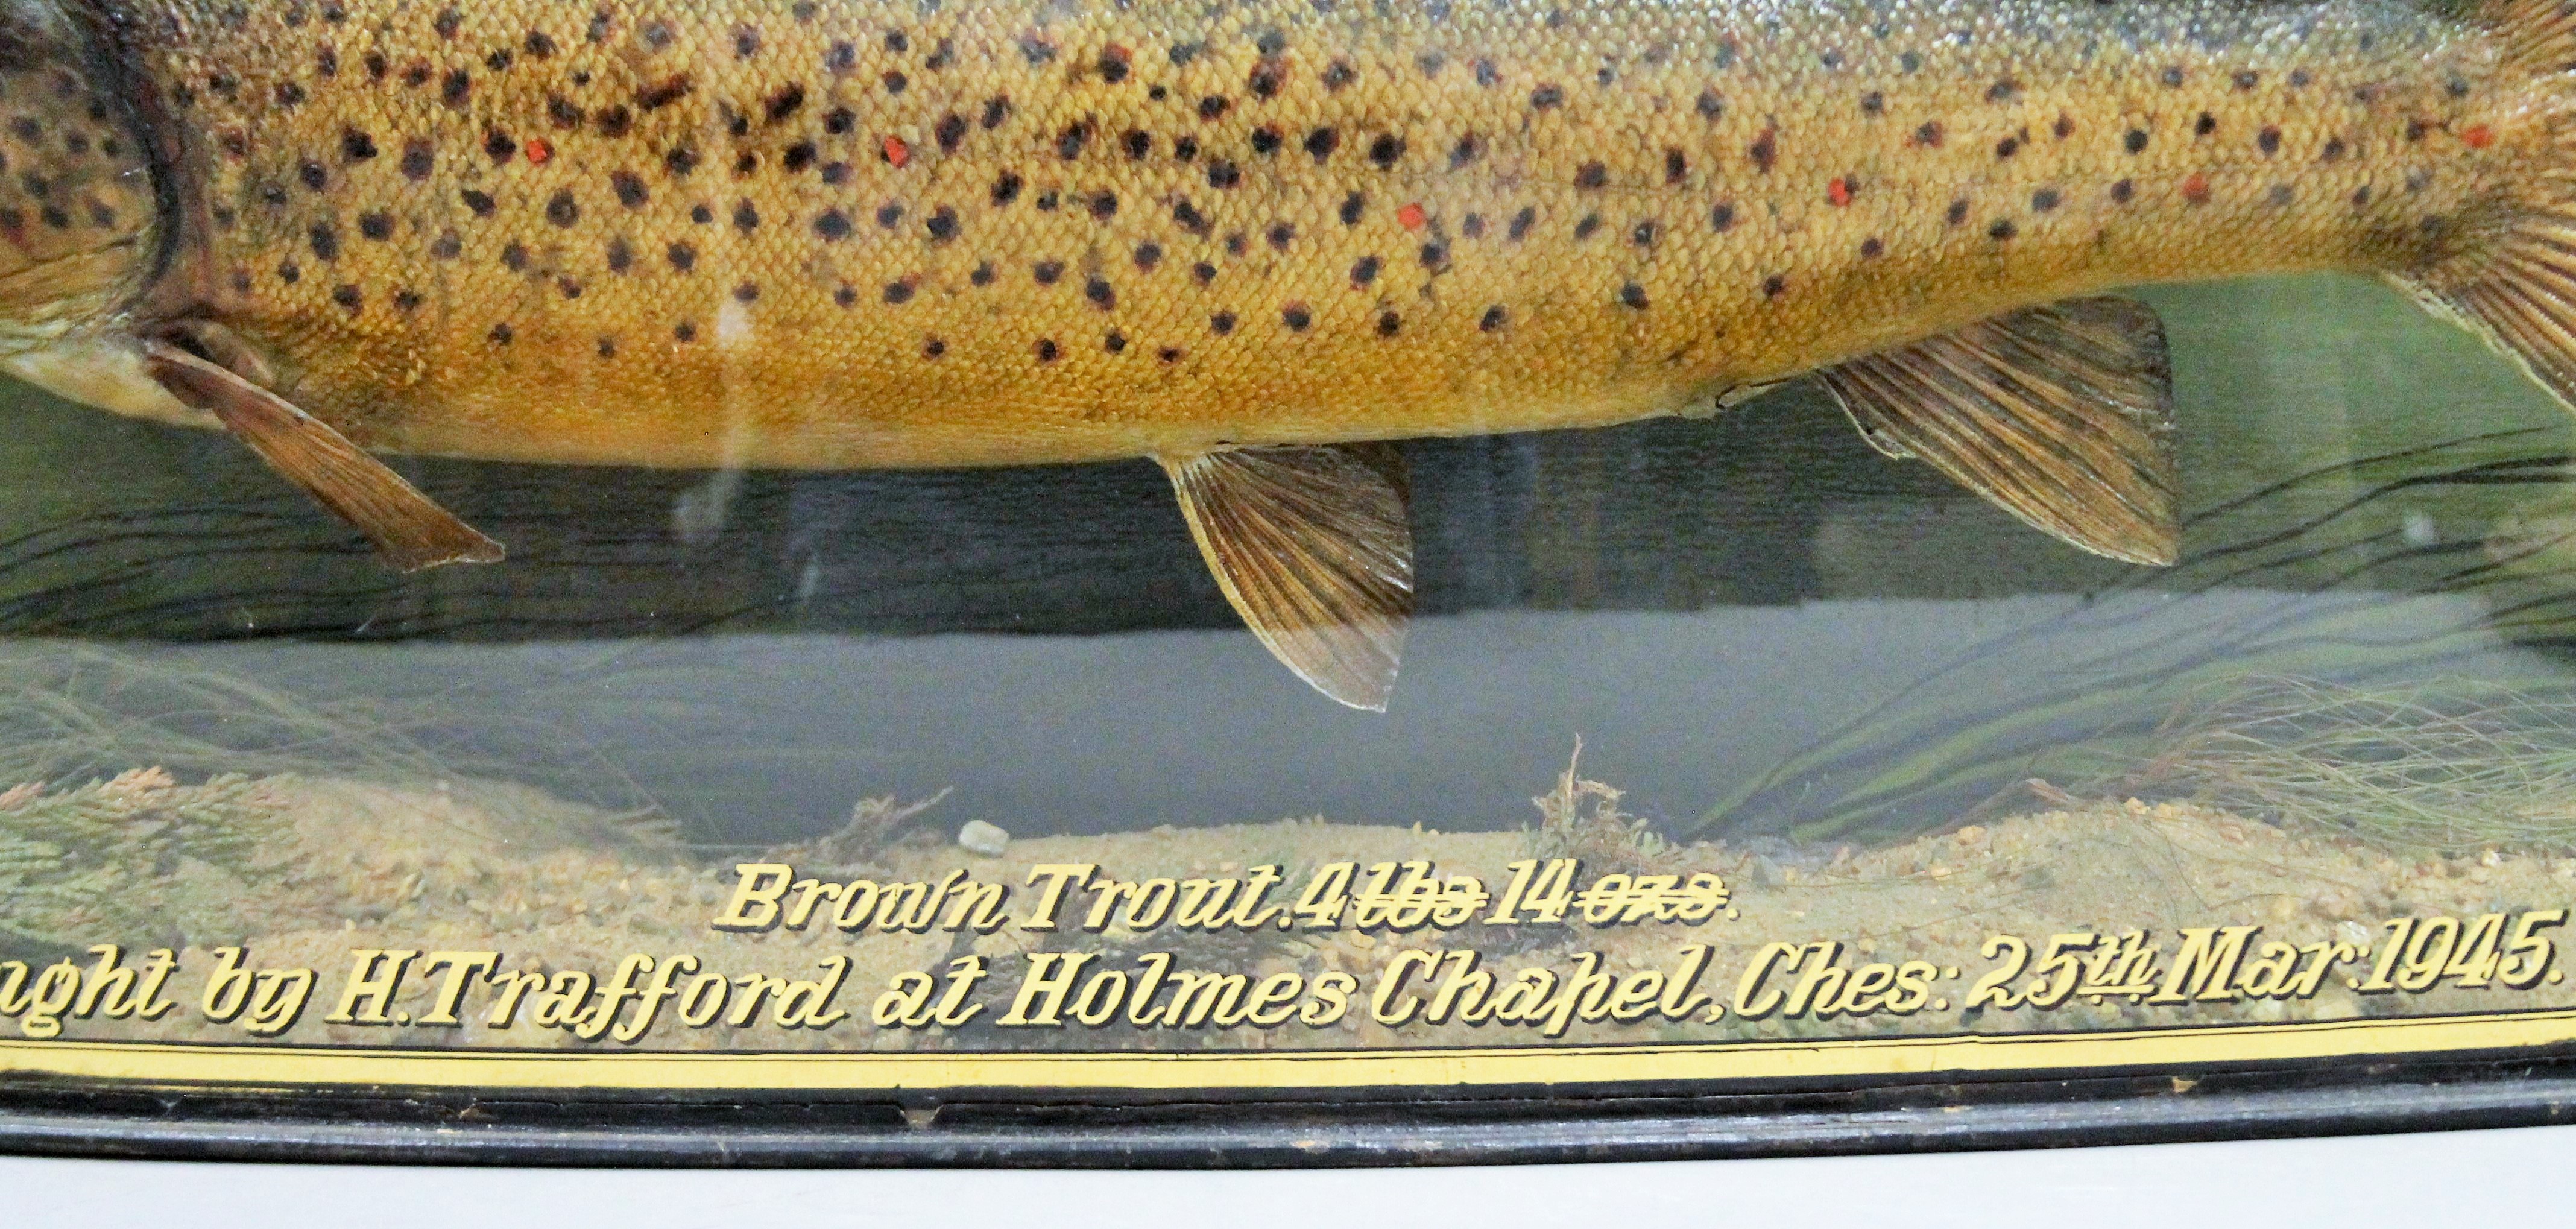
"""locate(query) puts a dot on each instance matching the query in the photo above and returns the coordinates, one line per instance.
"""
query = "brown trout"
(1245, 238)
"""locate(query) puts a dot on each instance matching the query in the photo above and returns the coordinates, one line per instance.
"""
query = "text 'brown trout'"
(1242, 238)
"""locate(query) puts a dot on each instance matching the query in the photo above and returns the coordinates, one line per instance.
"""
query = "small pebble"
(983, 838)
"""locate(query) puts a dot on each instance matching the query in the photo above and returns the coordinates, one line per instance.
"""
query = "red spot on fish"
(1839, 191)
(2477, 136)
(1412, 217)
(2195, 188)
(539, 151)
(896, 152)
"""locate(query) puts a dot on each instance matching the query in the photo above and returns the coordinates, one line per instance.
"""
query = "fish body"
(845, 234)
(854, 233)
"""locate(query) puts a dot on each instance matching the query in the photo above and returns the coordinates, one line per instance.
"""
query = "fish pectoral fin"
(2061, 415)
(408, 526)
(1314, 549)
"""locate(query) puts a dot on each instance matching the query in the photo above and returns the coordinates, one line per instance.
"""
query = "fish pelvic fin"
(2061, 415)
(410, 528)
(2510, 276)
(1314, 548)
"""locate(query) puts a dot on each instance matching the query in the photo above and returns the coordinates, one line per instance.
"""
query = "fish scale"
(1232, 236)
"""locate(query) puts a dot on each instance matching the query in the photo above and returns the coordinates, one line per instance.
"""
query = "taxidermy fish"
(1245, 239)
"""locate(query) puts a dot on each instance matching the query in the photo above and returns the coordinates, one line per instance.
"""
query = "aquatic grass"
(73, 712)
(2446, 766)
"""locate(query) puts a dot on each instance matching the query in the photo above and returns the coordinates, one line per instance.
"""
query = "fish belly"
(841, 233)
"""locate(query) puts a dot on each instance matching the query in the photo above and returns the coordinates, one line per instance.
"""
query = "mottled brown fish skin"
(830, 234)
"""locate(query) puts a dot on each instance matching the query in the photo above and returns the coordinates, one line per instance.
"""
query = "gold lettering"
(953, 1010)
(906, 1002)
(2205, 971)
(1585, 995)
(109, 984)
(462, 968)
(808, 1004)
(1331, 1001)
(1050, 979)
(374, 981)
(1203, 903)
(978, 906)
(46, 1001)
(756, 892)
(666, 980)
(1199, 997)
(1149, 982)
(754, 987)
(157, 968)
(1753, 999)
(514, 987)
(561, 1002)
(1382, 1005)
(704, 999)
(1058, 876)
(1636, 995)
(1152, 901)
(858, 904)
(1463, 991)
(1274, 1000)
(1100, 998)
(1680, 996)
(612, 997)
(809, 892)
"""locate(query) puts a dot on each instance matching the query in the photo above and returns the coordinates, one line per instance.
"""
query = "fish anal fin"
(1314, 549)
(410, 528)
(2061, 415)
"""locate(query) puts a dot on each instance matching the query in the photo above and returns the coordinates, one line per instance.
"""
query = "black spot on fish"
(561, 209)
(1353, 206)
(2134, 141)
(2003, 228)
(1493, 319)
